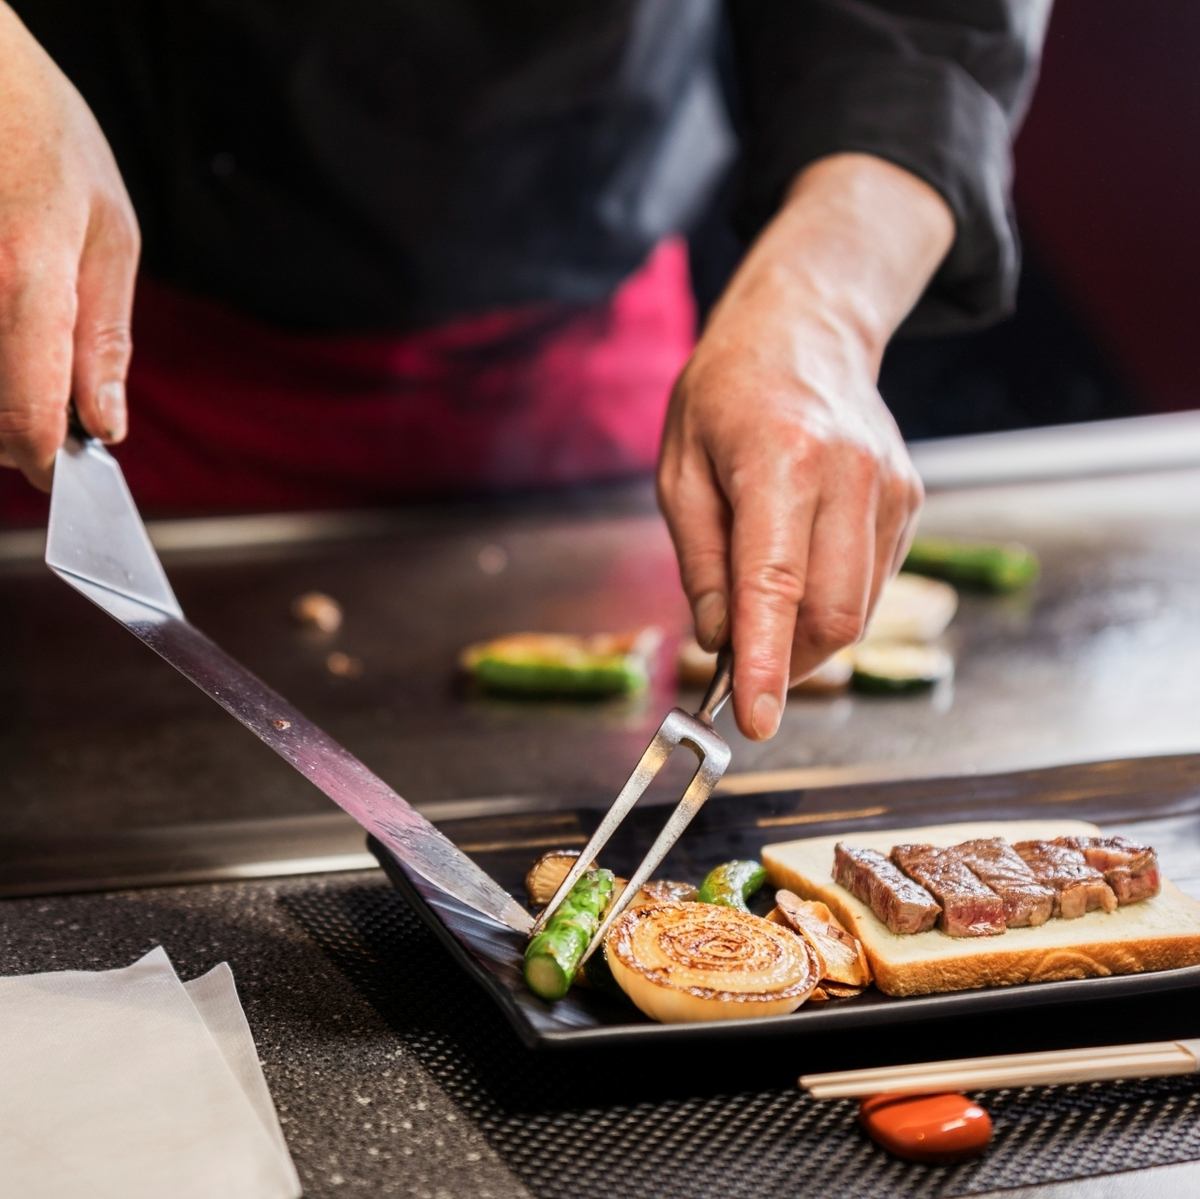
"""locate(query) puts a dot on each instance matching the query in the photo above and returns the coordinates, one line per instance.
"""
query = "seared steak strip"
(1130, 869)
(902, 905)
(1078, 887)
(1026, 901)
(969, 908)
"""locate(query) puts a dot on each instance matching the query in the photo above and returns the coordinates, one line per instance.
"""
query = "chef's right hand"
(69, 248)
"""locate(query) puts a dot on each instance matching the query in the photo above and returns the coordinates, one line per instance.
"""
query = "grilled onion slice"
(699, 961)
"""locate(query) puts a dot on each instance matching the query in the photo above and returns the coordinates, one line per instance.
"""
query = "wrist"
(875, 226)
(852, 248)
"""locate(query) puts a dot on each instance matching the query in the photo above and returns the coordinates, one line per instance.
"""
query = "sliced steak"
(969, 907)
(996, 864)
(899, 902)
(1078, 887)
(1129, 868)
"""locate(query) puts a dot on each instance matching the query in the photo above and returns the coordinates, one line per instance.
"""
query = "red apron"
(230, 414)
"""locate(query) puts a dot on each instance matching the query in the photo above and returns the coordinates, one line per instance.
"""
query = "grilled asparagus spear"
(552, 957)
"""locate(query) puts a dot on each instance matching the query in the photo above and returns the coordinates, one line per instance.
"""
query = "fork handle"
(721, 687)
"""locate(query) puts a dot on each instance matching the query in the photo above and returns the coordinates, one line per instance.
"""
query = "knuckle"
(35, 284)
(863, 462)
(700, 564)
(29, 428)
(115, 219)
(17, 425)
(110, 339)
(834, 627)
(666, 483)
(124, 233)
(916, 493)
(897, 494)
(804, 458)
(740, 479)
(779, 585)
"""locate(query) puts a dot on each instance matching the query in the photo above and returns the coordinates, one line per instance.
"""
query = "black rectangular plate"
(1112, 794)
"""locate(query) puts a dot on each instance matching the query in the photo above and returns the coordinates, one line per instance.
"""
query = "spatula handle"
(75, 425)
(721, 687)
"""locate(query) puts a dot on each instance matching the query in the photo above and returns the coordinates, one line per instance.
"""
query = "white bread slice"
(1156, 934)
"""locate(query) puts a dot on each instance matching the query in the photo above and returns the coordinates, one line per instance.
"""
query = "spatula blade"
(98, 544)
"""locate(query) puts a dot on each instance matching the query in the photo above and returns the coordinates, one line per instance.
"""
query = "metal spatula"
(98, 544)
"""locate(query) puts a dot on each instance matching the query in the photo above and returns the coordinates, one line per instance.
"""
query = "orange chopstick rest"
(926, 1128)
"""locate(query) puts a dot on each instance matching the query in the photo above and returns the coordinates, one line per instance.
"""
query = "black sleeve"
(936, 86)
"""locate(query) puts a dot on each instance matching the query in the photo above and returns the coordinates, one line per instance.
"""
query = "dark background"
(1107, 192)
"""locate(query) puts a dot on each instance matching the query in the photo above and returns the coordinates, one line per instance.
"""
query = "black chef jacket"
(385, 164)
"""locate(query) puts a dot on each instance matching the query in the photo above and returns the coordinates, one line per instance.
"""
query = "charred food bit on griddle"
(1027, 903)
(343, 666)
(899, 902)
(1078, 887)
(316, 610)
(969, 908)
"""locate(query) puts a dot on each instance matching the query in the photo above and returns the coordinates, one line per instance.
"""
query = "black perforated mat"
(726, 1122)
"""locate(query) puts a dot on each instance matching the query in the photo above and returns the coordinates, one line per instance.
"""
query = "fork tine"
(709, 770)
(712, 754)
(650, 763)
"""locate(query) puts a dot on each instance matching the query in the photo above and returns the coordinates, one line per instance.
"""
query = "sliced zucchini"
(985, 565)
(556, 664)
(912, 608)
(889, 668)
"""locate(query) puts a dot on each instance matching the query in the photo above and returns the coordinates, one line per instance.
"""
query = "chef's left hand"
(785, 483)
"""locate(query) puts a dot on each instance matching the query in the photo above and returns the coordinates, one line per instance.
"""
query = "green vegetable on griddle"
(597, 675)
(560, 664)
(732, 884)
(980, 564)
(890, 669)
(552, 956)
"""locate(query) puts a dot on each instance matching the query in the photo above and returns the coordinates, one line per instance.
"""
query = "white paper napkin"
(128, 1083)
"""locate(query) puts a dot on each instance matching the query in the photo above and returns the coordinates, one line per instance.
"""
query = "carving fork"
(712, 753)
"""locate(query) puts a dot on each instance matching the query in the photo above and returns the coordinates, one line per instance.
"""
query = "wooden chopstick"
(1014, 1059)
(1144, 1060)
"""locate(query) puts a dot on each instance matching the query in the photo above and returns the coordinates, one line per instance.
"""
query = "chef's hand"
(68, 254)
(783, 478)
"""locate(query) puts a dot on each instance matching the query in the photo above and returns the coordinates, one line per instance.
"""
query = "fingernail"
(764, 716)
(111, 401)
(710, 618)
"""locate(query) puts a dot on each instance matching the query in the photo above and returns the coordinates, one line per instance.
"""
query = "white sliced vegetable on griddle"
(831, 676)
(887, 667)
(912, 608)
